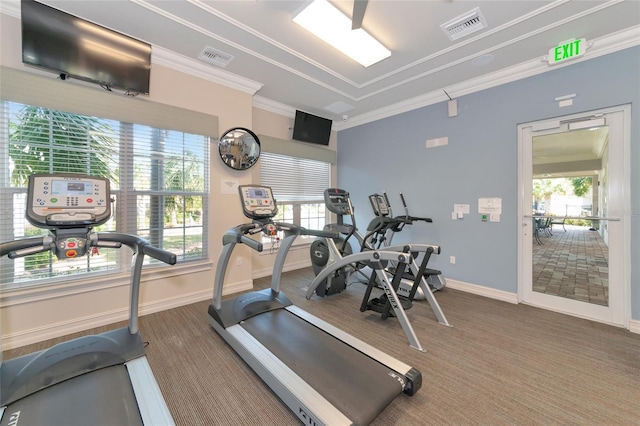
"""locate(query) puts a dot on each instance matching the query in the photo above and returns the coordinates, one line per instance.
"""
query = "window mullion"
(41, 140)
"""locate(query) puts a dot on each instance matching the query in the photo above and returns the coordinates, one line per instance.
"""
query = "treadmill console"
(380, 205)
(257, 201)
(337, 201)
(67, 200)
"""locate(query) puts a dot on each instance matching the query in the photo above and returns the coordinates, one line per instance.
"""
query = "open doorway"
(570, 254)
(574, 254)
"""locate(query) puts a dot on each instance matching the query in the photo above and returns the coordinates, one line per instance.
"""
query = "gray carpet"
(500, 364)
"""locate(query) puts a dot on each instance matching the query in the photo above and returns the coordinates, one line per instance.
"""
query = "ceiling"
(287, 67)
(570, 153)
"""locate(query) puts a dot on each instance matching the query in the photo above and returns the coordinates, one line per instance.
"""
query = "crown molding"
(169, 59)
(273, 106)
(187, 65)
(602, 46)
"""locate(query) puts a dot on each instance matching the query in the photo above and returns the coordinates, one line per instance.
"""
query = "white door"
(609, 214)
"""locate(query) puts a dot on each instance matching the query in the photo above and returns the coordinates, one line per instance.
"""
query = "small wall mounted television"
(311, 128)
(73, 47)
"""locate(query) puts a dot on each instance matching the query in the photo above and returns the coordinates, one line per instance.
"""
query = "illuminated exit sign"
(571, 49)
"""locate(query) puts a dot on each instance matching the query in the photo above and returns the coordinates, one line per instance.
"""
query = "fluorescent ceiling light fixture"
(323, 20)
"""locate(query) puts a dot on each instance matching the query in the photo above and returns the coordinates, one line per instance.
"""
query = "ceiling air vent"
(465, 24)
(215, 57)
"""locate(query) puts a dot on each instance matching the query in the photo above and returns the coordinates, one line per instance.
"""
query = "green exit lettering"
(568, 50)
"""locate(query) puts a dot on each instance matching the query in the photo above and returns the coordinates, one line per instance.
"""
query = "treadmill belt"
(102, 397)
(359, 386)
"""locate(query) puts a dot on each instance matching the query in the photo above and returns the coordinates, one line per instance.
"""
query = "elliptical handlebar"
(410, 219)
(298, 230)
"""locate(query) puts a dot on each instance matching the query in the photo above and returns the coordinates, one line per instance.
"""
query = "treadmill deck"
(357, 385)
(104, 394)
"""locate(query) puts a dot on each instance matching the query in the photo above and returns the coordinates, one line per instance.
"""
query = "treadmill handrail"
(26, 246)
(140, 248)
(137, 244)
(239, 233)
(16, 248)
(250, 323)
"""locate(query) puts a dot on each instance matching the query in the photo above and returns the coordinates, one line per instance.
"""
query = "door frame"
(619, 311)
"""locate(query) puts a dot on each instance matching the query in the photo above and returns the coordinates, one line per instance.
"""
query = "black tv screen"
(311, 128)
(73, 47)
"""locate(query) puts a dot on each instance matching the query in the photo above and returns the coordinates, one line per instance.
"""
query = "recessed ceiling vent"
(465, 24)
(215, 57)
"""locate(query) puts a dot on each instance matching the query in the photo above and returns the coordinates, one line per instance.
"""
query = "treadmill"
(96, 379)
(324, 375)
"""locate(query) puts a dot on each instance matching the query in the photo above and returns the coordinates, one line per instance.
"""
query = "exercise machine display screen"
(337, 201)
(66, 200)
(257, 201)
(66, 188)
(379, 204)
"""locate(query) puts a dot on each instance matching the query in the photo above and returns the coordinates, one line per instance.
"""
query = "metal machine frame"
(330, 352)
(109, 372)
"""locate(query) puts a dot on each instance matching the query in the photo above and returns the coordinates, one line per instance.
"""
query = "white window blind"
(294, 179)
(159, 179)
(298, 186)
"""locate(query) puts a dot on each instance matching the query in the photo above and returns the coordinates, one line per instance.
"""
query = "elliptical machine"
(103, 378)
(336, 267)
(383, 238)
(325, 251)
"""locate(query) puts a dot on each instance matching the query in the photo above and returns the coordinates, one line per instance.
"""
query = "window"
(159, 180)
(298, 186)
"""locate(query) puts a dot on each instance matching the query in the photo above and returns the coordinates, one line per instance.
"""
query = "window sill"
(37, 293)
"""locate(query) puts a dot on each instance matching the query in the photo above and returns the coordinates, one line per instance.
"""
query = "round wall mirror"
(239, 148)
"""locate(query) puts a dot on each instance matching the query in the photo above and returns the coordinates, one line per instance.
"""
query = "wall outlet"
(239, 262)
(452, 259)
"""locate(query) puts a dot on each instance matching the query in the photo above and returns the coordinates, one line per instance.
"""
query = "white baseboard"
(63, 328)
(492, 293)
(634, 325)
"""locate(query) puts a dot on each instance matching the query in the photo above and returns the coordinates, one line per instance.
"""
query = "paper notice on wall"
(228, 186)
(461, 209)
(490, 206)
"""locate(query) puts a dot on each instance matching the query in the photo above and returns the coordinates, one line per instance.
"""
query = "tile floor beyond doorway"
(572, 264)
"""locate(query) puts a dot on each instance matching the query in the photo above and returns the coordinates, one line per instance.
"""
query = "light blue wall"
(481, 160)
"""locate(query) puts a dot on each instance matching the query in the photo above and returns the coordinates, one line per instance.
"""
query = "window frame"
(296, 201)
(123, 192)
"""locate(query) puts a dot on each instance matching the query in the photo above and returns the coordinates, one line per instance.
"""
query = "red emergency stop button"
(71, 253)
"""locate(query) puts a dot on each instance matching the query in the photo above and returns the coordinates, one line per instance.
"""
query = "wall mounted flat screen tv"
(311, 128)
(73, 47)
